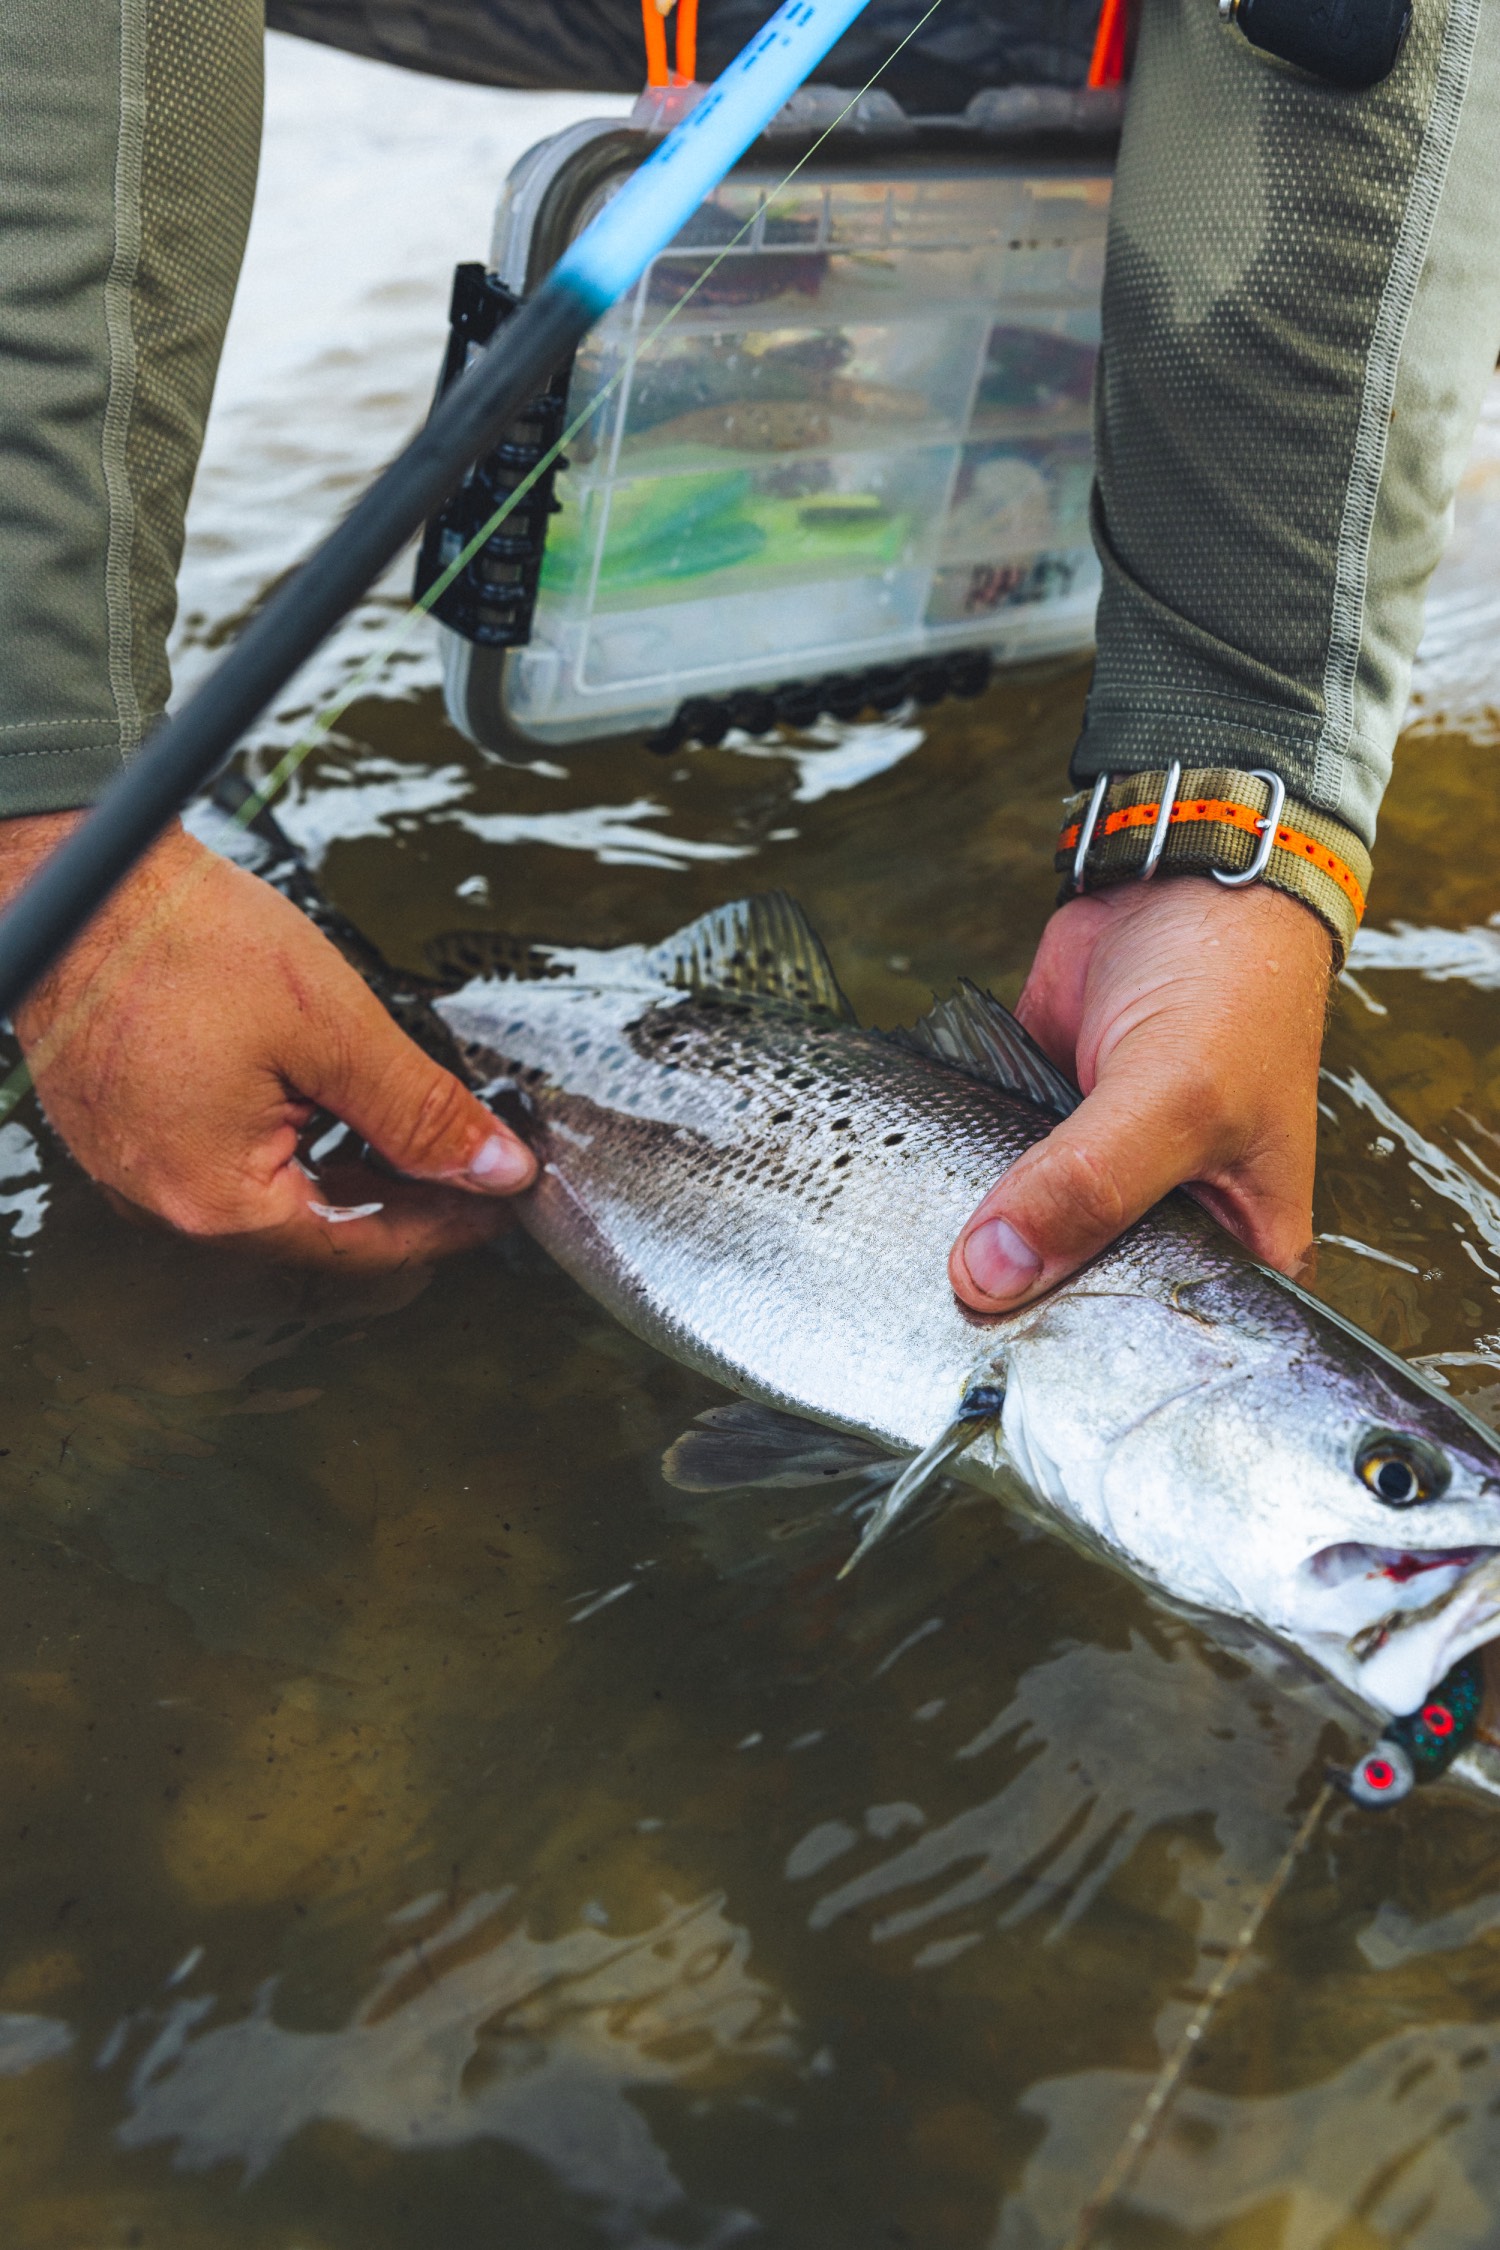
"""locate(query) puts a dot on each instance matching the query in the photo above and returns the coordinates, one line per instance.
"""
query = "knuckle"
(433, 1133)
(1088, 1188)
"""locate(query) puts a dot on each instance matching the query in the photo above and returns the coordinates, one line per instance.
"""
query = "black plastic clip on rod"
(185, 753)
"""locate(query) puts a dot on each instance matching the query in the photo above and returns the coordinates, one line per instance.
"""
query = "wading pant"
(1301, 313)
(129, 133)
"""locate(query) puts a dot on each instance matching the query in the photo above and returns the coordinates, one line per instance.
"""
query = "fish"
(767, 1190)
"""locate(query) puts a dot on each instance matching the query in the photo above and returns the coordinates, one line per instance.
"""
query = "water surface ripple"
(423, 1826)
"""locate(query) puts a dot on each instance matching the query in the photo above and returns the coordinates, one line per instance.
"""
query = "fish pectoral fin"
(974, 1032)
(764, 945)
(981, 1409)
(741, 1444)
(921, 1470)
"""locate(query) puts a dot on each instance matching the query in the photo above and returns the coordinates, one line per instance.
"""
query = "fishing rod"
(607, 258)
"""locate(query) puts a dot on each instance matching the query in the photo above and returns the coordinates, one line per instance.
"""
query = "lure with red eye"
(1383, 1776)
(1422, 1746)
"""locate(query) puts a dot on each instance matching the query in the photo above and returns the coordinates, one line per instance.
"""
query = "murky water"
(423, 1827)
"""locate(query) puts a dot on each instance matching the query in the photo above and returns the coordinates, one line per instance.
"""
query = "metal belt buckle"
(1266, 827)
(1086, 832)
(1158, 842)
(1152, 859)
(1270, 821)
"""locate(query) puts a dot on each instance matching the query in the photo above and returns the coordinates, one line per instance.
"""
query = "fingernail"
(500, 1164)
(1000, 1263)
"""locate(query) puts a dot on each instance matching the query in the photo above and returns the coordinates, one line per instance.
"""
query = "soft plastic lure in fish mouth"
(1419, 1657)
(1422, 1746)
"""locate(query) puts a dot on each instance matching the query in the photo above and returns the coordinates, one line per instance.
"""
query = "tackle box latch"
(491, 600)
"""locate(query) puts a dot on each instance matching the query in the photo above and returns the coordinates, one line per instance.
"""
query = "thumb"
(1068, 1197)
(417, 1116)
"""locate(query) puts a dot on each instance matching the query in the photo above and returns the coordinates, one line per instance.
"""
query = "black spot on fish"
(782, 1116)
(840, 1161)
(894, 1140)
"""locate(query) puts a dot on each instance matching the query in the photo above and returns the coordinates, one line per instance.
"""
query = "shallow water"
(424, 1827)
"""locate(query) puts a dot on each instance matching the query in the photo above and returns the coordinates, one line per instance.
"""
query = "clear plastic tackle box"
(859, 438)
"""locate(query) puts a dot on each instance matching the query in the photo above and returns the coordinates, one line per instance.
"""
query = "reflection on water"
(478, 2031)
(1454, 679)
(423, 1826)
(1472, 956)
(1402, 2138)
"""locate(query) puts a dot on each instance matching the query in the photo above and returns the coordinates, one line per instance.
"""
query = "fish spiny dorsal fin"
(763, 945)
(461, 955)
(975, 1033)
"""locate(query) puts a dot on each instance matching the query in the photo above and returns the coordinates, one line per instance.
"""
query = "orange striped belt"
(1228, 814)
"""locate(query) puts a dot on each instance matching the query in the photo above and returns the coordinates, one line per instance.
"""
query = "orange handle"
(654, 24)
(1107, 63)
(687, 41)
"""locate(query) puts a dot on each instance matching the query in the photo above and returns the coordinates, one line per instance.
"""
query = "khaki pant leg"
(129, 134)
(1302, 310)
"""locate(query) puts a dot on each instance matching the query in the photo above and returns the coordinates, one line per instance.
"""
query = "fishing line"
(20, 1081)
(1152, 2115)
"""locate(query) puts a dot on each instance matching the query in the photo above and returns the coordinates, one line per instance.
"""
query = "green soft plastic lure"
(1424, 1745)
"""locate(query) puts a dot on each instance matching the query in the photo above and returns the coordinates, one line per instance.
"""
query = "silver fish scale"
(770, 1195)
(759, 1181)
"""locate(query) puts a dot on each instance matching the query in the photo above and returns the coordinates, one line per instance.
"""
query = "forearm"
(1302, 307)
(25, 842)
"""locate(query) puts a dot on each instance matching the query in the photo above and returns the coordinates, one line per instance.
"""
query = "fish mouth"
(1354, 1559)
(1435, 1605)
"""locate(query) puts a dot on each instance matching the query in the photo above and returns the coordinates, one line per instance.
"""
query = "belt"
(1241, 827)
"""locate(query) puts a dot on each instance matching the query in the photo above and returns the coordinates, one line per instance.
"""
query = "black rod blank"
(188, 749)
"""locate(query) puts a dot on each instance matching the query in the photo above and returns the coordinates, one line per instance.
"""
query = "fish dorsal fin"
(972, 1031)
(460, 955)
(764, 945)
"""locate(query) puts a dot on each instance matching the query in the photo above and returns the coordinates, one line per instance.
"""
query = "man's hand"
(1192, 1018)
(187, 1037)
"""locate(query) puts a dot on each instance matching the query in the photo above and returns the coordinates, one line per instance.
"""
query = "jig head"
(1424, 1745)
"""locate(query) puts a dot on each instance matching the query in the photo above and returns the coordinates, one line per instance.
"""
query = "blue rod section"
(657, 201)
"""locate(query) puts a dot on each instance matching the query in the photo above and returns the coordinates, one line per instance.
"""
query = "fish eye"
(1401, 1471)
(1393, 1480)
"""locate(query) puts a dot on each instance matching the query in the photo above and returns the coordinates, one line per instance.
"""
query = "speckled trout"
(767, 1191)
